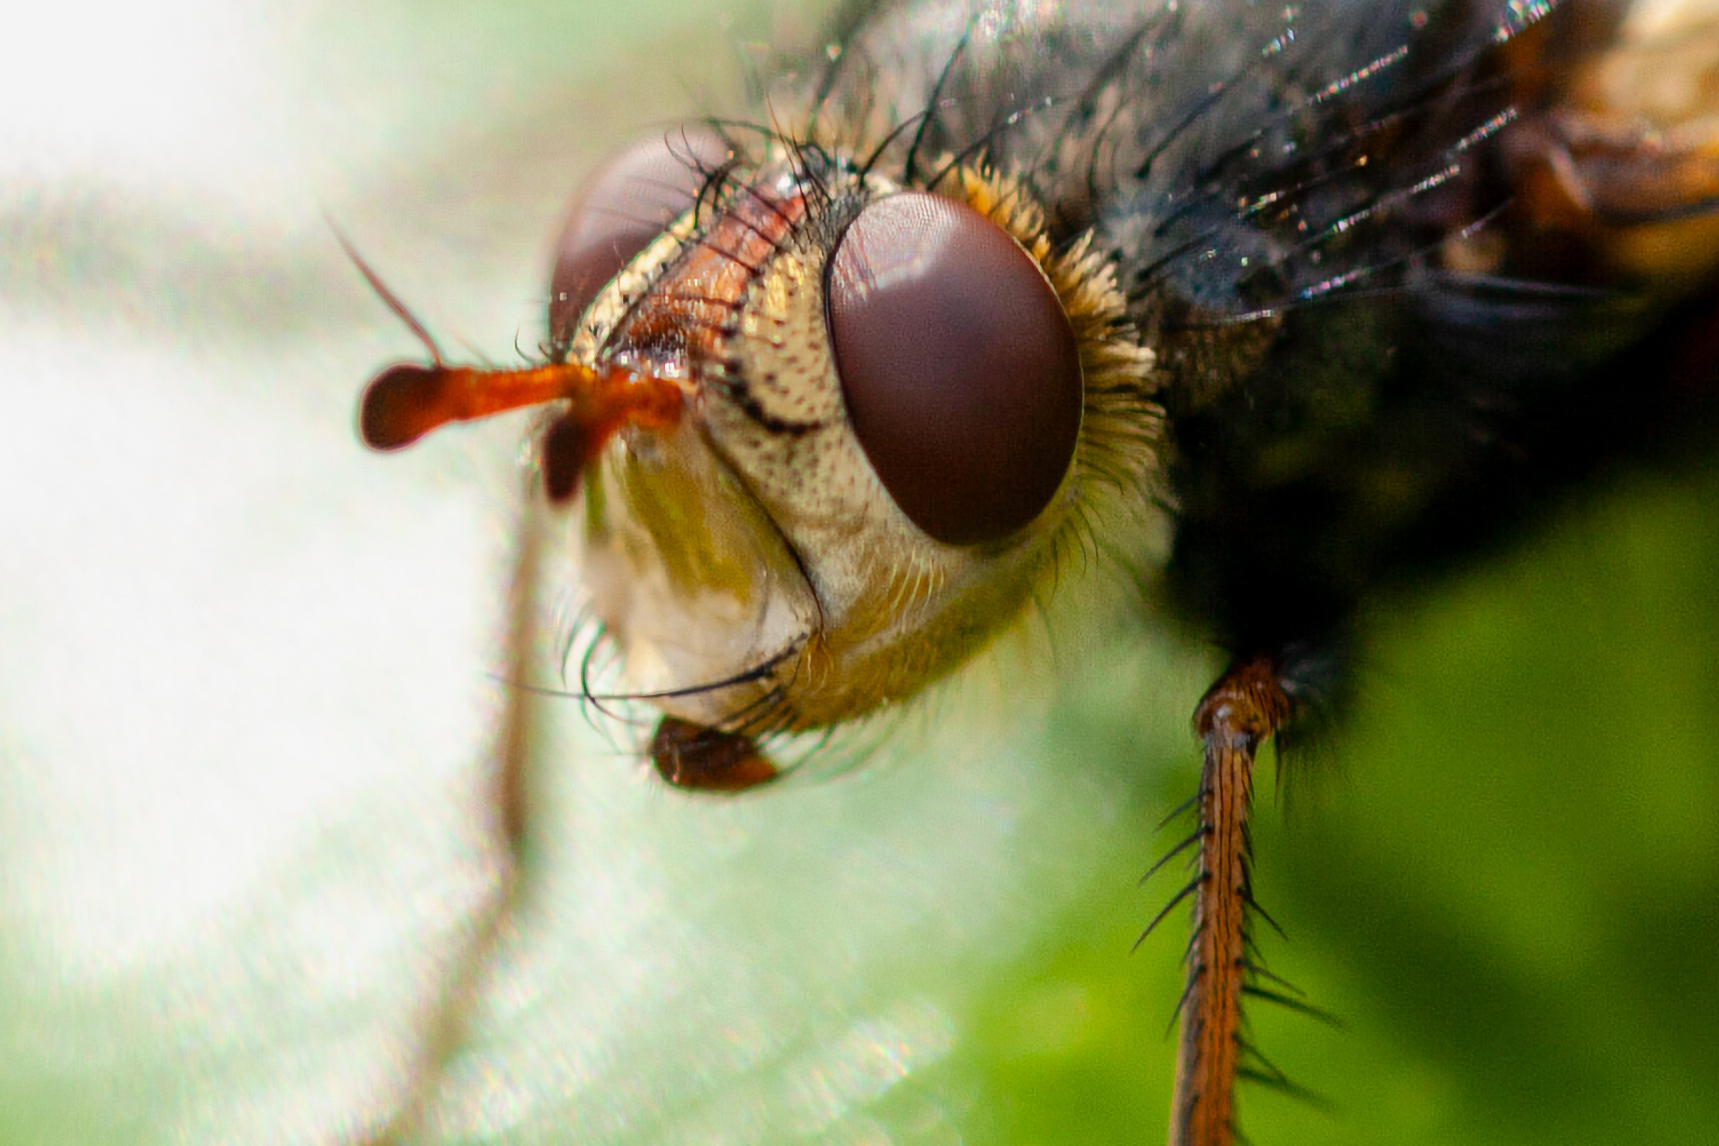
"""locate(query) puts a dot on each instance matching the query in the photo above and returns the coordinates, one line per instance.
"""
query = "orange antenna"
(409, 399)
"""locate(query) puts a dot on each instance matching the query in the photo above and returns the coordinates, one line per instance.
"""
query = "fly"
(1325, 294)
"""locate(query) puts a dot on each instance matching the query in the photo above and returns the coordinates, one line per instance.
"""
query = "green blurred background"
(1505, 882)
(1503, 875)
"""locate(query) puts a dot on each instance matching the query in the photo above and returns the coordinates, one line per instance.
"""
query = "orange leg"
(1245, 707)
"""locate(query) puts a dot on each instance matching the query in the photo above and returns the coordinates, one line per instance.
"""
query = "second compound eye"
(958, 365)
(626, 203)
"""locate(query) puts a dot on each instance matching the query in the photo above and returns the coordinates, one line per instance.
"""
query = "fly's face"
(828, 425)
(832, 432)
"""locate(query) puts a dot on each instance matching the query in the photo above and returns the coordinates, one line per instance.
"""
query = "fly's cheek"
(959, 368)
(624, 205)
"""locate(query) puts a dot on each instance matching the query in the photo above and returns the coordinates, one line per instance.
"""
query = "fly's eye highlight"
(624, 205)
(960, 370)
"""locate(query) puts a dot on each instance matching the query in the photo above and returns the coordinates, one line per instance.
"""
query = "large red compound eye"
(961, 373)
(625, 204)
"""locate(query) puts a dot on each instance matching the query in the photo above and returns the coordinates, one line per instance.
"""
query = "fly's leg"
(1246, 705)
(445, 1023)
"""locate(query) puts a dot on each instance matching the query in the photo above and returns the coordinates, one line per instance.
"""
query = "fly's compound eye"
(624, 205)
(959, 368)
